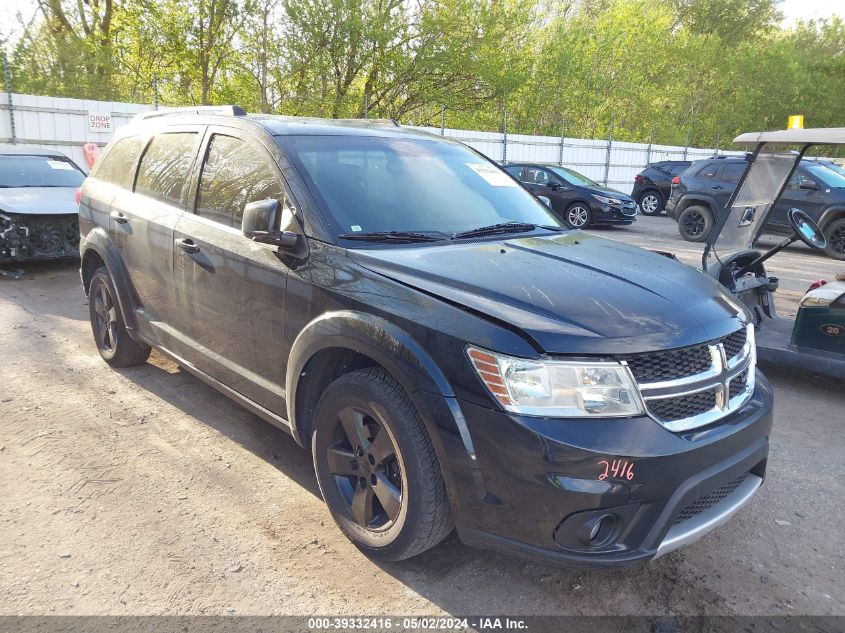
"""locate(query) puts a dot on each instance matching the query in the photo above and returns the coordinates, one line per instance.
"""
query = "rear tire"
(695, 223)
(113, 341)
(835, 235)
(652, 202)
(377, 468)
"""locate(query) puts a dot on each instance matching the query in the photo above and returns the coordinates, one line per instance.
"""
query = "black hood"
(571, 293)
(608, 191)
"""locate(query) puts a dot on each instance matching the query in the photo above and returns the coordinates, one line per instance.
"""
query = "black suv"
(448, 351)
(701, 193)
(575, 199)
(654, 183)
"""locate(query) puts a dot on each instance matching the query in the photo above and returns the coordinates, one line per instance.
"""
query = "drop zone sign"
(99, 122)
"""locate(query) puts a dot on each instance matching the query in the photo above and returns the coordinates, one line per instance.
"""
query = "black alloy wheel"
(695, 223)
(366, 469)
(377, 468)
(113, 341)
(835, 234)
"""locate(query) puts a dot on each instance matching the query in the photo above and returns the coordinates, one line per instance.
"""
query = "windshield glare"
(826, 175)
(372, 184)
(38, 171)
(573, 177)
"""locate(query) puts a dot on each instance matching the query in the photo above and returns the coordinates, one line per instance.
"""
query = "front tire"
(695, 223)
(578, 216)
(651, 203)
(377, 468)
(835, 235)
(113, 341)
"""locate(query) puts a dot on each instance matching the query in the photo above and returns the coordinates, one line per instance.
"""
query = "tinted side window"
(710, 172)
(119, 164)
(514, 170)
(233, 175)
(165, 166)
(733, 172)
(537, 176)
(678, 169)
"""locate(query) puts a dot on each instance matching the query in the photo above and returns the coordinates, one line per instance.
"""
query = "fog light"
(598, 530)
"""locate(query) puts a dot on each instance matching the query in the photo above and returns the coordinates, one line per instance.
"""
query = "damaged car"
(38, 209)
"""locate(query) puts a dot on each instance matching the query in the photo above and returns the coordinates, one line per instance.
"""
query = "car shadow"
(187, 393)
(454, 577)
(39, 296)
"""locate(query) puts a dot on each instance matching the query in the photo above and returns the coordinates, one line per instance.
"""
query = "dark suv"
(653, 184)
(449, 352)
(702, 192)
(575, 199)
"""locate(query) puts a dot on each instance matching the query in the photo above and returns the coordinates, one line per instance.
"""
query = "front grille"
(734, 343)
(738, 385)
(705, 502)
(669, 409)
(670, 364)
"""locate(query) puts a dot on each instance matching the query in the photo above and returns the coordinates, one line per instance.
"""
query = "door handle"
(188, 245)
(716, 187)
(118, 217)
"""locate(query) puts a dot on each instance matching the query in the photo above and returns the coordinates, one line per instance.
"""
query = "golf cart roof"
(809, 136)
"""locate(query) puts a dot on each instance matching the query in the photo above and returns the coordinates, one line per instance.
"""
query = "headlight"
(557, 388)
(605, 199)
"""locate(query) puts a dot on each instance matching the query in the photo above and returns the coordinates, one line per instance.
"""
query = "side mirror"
(546, 201)
(554, 186)
(808, 184)
(259, 221)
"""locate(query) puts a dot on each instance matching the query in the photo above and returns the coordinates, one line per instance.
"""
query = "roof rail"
(225, 110)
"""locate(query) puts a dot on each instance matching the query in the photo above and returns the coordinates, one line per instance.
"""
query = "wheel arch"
(98, 250)
(831, 214)
(338, 342)
(690, 200)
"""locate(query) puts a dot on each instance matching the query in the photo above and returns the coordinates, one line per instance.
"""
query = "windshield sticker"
(60, 164)
(355, 228)
(492, 174)
(748, 216)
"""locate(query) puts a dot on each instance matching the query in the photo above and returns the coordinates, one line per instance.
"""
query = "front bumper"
(613, 214)
(545, 482)
(37, 237)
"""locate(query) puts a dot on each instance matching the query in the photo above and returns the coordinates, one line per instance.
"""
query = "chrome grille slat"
(681, 391)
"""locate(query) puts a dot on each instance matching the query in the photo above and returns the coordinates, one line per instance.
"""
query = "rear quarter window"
(709, 172)
(118, 166)
(164, 172)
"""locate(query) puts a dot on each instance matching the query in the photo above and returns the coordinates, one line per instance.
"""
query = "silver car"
(38, 208)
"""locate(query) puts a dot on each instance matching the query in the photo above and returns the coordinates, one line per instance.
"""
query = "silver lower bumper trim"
(694, 528)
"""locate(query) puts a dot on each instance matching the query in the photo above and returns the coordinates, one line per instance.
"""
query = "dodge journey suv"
(451, 354)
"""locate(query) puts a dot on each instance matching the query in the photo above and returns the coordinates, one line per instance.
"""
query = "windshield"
(573, 177)
(38, 171)
(371, 184)
(750, 209)
(827, 174)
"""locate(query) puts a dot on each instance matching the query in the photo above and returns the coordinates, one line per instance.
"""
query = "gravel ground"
(143, 491)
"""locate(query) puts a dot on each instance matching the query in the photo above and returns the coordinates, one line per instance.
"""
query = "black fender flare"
(97, 241)
(397, 352)
(831, 214)
(689, 200)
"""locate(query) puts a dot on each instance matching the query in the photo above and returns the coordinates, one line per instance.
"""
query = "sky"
(792, 10)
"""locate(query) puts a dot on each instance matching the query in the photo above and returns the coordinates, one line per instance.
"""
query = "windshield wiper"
(397, 237)
(496, 229)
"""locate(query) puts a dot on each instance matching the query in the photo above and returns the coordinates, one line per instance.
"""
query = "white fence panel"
(60, 124)
(63, 124)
